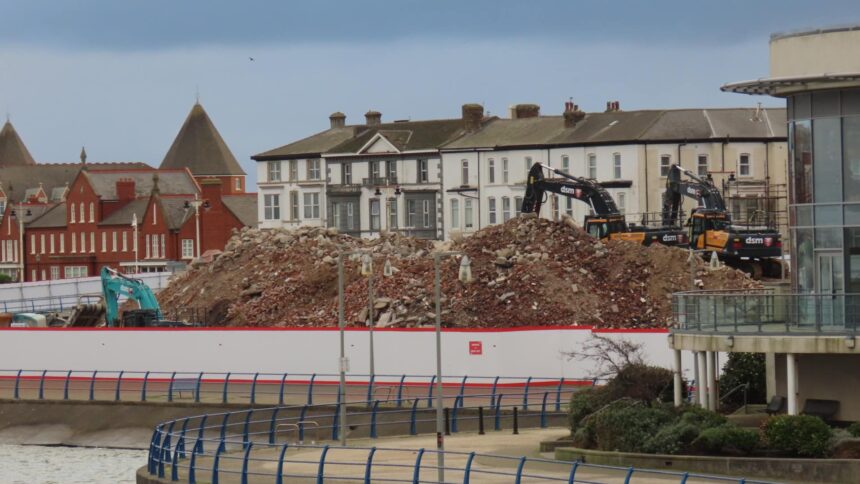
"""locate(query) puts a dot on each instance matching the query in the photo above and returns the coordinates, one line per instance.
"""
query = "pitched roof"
(53, 217)
(124, 215)
(200, 148)
(175, 211)
(13, 152)
(406, 135)
(170, 182)
(313, 145)
(630, 127)
(244, 207)
(16, 180)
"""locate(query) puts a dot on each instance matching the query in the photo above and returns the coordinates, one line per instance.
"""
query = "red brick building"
(78, 218)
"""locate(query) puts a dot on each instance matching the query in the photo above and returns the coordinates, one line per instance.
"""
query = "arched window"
(92, 212)
(82, 216)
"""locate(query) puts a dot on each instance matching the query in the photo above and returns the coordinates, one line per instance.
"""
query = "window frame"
(271, 206)
(617, 170)
(455, 213)
(747, 165)
(664, 167)
(491, 210)
(699, 165)
(464, 172)
(591, 165)
(273, 170)
(491, 170)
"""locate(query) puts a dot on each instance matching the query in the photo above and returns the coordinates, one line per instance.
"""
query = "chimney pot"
(373, 118)
(338, 119)
(573, 116)
(473, 115)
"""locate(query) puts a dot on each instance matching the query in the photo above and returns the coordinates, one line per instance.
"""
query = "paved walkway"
(395, 458)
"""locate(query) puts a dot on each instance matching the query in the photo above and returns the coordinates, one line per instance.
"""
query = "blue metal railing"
(217, 452)
(47, 303)
(270, 388)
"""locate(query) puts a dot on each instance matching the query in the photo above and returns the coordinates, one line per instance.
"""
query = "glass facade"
(824, 141)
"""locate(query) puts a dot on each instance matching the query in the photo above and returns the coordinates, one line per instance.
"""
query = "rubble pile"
(525, 272)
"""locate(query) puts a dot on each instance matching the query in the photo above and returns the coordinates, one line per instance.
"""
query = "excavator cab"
(601, 227)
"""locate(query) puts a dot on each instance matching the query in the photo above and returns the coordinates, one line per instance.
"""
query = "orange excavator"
(755, 249)
(606, 221)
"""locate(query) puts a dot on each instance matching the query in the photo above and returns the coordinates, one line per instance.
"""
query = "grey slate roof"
(170, 182)
(13, 152)
(313, 145)
(200, 148)
(175, 212)
(58, 194)
(124, 215)
(52, 218)
(629, 127)
(244, 207)
(16, 180)
(407, 135)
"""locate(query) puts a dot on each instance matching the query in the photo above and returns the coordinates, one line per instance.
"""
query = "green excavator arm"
(115, 285)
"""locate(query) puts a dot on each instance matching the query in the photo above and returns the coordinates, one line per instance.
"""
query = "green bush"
(797, 435)
(744, 368)
(854, 429)
(584, 402)
(726, 439)
(701, 418)
(642, 382)
(672, 439)
(627, 428)
(5, 279)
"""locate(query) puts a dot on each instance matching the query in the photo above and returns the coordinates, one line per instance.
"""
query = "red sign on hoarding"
(476, 348)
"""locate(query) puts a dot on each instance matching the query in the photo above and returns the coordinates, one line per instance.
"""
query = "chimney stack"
(372, 118)
(338, 119)
(125, 190)
(473, 115)
(520, 111)
(572, 114)
(613, 106)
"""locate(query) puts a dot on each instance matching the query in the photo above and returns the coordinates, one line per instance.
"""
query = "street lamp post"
(465, 276)
(341, 324)
(134, 226)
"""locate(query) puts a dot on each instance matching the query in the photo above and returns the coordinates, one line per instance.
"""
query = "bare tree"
(609, 355)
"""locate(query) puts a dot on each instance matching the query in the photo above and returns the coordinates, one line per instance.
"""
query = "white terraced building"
(463, 174)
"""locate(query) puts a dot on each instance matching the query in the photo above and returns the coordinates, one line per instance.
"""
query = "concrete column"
(770, 374)
(791, 382)
(712, 380)
(677, 378)
(702, 379)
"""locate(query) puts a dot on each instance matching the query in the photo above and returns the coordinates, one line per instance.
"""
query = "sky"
(119, 77)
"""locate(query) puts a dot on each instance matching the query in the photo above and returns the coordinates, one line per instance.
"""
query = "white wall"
(514, 353)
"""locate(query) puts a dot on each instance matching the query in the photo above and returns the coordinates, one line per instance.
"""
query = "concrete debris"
(526, 272)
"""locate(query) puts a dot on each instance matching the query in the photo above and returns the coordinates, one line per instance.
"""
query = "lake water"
(26, 464)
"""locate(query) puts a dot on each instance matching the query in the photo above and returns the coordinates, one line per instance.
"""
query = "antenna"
(197, 94)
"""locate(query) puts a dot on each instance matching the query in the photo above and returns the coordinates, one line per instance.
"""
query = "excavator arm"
(582, 189)
(115, 285)
(702, 190)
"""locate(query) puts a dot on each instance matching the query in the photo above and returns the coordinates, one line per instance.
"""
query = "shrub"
(797, 435)
(5, 278)
(744, 368)
(702, 418)
(854, 429)
(641, 382)
(726, 439)
(585, 402)
(627, 428)
(672, 439)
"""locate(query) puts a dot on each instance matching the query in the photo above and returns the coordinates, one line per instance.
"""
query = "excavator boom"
(115, 285)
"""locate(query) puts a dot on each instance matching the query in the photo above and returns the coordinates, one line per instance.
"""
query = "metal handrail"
(127, 385)
(175, 447)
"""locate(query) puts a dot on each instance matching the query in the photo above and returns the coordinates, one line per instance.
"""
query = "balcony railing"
(342, 188)
(765, 311)
(379, 181)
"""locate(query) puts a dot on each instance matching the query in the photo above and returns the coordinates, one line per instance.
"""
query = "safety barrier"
(237, 446)
(269, 388)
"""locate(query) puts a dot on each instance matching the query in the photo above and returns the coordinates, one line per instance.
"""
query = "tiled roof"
(629, 126)
(313, 145)
(406, 135)
(124, 215)
(16, 180)
(200, 148)
(170, 182)
(13, 152)
(53, 217)
(244, 207)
